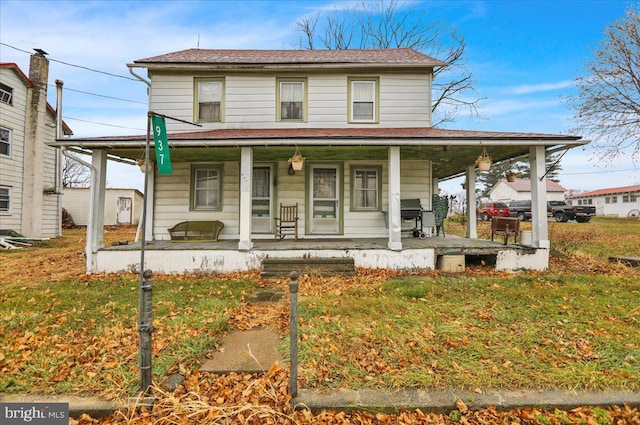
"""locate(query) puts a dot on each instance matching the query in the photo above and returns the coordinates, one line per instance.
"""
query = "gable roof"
(524, 185)
(312, 58)
(608, 191)
(29, 84)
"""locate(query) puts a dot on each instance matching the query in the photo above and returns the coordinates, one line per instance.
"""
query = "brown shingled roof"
(298, 57)
(346, 133)
(524, 185)
(608, 191)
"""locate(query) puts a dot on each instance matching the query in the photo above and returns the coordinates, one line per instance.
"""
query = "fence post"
(293, 334)
(146, 328)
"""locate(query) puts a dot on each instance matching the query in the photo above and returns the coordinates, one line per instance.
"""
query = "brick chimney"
(34, 145)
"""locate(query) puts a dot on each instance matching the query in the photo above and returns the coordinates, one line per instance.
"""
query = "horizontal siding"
(250, 101)
(172, 197)
(12, 117)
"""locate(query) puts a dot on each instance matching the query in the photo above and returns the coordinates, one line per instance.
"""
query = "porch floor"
(450, 245)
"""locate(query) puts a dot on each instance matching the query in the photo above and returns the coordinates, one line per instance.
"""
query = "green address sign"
(163, 158)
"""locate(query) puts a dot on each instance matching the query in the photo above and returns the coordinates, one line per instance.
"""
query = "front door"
(325, 199)
(261, 200)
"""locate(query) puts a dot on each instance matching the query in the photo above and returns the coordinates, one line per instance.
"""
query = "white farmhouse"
(30, 180)
(361, 122)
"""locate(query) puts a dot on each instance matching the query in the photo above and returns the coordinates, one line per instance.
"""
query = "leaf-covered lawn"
(475, 332)
(575, 326)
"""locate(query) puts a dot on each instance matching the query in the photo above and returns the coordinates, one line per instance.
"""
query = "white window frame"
(377, 189)
(373, 98)
(199, 84)
(215, 190)
(281, 93)
(6, 142)
(6, 94)
(7, 210)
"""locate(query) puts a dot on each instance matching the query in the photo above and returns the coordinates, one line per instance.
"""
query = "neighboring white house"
(30, 181)
(520, 190)
(121, 206)
(360, 118)
(613, 202)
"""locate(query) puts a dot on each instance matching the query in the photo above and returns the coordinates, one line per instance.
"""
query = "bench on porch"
(196, 231)
(506, 226)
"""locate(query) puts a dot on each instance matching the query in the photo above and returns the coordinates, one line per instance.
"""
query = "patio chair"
(287, 222)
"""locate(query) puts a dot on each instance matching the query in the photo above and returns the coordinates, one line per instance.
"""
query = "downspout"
(143, 214)
(58, 162)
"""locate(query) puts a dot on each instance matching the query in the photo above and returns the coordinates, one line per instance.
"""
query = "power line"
(599, 172)
(100, 123)
(102, 95)
(77, 66)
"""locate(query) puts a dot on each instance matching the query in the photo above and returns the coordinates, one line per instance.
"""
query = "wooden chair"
(287, 222)
(506, 226)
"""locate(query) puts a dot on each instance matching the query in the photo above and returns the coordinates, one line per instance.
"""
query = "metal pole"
(145, 373)
(293, 334)
(146, 328)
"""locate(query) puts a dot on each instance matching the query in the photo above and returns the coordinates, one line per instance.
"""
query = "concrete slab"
(445, 402)
(250, 351)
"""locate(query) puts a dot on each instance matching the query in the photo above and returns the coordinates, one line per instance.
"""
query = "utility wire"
(76, 66)
(600, 172)
(100, 123)
(101, 95)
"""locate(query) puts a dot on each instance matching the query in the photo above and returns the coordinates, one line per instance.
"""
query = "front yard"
(573, 327)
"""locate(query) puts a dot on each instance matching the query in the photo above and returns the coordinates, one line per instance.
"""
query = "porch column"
(95, 222)
(472, 220)
(395, 226)
(246, 178)
(539, 197)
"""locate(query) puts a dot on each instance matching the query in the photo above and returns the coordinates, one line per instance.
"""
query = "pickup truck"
(563, 212)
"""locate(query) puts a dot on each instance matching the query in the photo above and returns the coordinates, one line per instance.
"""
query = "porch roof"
(450, 151)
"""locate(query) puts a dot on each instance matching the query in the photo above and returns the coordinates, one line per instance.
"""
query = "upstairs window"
(5, 141)
(209, 100)
(6, 94)
(363, 100)
(291, 95)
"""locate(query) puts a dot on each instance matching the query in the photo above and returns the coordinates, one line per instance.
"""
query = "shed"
(122, 207)
(520, 190)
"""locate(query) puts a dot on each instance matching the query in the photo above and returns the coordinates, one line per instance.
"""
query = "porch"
(224, 257)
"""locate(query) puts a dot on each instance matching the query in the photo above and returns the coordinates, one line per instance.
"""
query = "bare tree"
(75, 174)
(383, 24)
(607, 103)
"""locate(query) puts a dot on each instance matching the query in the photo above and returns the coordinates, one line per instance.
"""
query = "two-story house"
(360, 118)
(30, 180)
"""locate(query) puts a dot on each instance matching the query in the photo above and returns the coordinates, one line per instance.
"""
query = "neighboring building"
(362, 121)
(29, 169)
(612, 202)
(520, 190)
(122, 207)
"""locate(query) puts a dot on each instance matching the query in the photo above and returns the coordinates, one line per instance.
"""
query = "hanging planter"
(484, 161)
(145, 167)
(296, 161)
(464, 185)
(511, 176)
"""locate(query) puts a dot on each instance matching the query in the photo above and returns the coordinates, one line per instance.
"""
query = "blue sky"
(524, 56)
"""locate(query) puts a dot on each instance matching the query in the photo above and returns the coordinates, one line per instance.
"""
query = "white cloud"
(538, 88)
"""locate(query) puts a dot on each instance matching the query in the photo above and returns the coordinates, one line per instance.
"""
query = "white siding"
(12, 117)
(172, 197)
(250, 100)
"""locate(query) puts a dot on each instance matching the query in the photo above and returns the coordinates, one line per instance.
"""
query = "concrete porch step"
(282, 267)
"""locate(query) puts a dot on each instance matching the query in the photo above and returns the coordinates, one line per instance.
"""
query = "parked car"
(493, 209)
(563, 212)
(520, 209)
